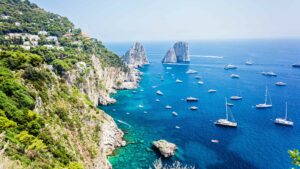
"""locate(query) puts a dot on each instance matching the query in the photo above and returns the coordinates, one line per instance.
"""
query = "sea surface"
(256, 143)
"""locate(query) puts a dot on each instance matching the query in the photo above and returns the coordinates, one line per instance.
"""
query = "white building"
(52, 38)
(43, 33)
(5, 16)
(17, 23)
(48, 46)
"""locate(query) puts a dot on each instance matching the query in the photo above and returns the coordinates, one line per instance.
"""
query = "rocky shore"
(165, 148)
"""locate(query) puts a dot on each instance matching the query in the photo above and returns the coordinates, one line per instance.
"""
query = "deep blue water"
(256, 143)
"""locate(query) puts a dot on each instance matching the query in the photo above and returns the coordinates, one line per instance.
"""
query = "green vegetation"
(45, 123)
(295, 156)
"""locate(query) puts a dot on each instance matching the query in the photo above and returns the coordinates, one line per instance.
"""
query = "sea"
(256, 142)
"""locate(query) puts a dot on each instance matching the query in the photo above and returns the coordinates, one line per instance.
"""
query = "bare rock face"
(178, 53)
(165, 148)
(136, 56)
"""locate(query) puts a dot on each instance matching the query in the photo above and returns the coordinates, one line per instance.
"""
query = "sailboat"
(284, 121)
(264, 105)
(226, 122)
(249, 62)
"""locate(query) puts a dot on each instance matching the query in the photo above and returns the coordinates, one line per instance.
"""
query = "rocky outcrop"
(136, 56)
(165, 148)
(178, 53)
(97, 82)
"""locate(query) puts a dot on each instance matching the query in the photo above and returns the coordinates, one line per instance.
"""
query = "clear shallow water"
(256, 143)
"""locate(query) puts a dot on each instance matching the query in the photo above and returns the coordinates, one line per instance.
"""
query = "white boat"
(168, 107)
(193, 108)
(229, 104)
(191, 71)
(141, 106)
(174, 113)
(212, 91)
(200, 82)
(234, 76)
(168, 68)
(265, 104)
(226, 122)
(191, 99)
(157, 100)
(280, 84)
(230, 66)
(269, 73)
(158, 92)
(177, 127)
(284, 121)
(214, 141)
(178, 81)
(162, 78)
(236, 98)
(249, 62)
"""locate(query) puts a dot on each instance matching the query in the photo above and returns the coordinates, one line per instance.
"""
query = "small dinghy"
(168, 107)
(191, 71)
(212, 91)
(174, 113)
(157, 100)
(158, 92)
(191, 99)
(214, 141)
(177, 127)
(178, 81)
(234, 76)
(193, 108)
(200, 82)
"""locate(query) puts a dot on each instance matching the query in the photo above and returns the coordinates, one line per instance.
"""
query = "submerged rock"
(178, 53)
(136, 56)
(165, 148)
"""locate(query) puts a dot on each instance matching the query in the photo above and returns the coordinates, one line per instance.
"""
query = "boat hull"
(283, 122)
(263, 106)
(225, 123)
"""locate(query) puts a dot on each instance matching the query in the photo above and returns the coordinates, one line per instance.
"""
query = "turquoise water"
(256, 143)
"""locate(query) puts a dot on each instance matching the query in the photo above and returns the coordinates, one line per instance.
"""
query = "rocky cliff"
(136, 55)
(178, 53)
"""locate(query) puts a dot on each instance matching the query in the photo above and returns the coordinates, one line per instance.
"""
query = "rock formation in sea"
(178, 53)
(165, 148)
(136, 56)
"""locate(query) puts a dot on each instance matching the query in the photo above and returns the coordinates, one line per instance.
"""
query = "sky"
(155, 20)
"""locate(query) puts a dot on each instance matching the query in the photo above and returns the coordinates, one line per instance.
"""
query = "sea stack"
(178, 53)
(165, 148)
(136, 56)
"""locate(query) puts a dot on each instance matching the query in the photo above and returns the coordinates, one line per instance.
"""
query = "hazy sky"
(143, 20)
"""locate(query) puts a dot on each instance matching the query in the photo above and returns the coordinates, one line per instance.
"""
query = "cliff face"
(97, 82)
(178, 53)
(136, 55)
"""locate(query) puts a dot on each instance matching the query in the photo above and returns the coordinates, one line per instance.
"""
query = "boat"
(236, 98)
(193, 108)
(178, 81)
(234, 76)
(249, 62)
(178, 127)
(134, 92)
(158, 92)
(145, 112)
(191, 99)
(200, 82)
(230, 66)
(174, 113)
(162, 78)
(284, 121)
(141, 106)
(157, 100)
(226, 122)
(168, 107)
(269, 73)
(168, 68)
(296, 65)
(229, 104)
(212, 91)
(214, 141)
(280, 84)
(198, 77)
(264, 105)
(191, 71)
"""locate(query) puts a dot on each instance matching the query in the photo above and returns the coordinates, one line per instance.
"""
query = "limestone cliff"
(136, 55)
(178, 53)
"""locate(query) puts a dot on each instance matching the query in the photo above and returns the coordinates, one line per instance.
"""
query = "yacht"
(284, 121)
(249, 62)
(269, 73)
(280, 84)
(236, 98)
(214, 141)
(234, 76)
(200, 82)
(178, 81)
(265, 105)
(193, 108)
(226, 122)
(191, 99)
(168, 107)
(191, 71)
(174, 113)
(212, 91)
(158, 92)
(157, 100)
(230, 66)
(297, 65)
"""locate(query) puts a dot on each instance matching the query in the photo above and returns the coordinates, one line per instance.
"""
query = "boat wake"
(207, 56)
(123, 122)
